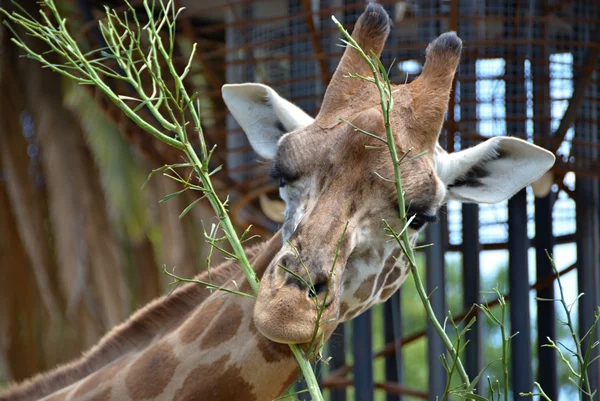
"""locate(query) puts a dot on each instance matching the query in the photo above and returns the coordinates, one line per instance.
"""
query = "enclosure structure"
(529, 69)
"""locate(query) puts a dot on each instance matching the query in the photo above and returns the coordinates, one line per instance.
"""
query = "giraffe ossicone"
(199, 345)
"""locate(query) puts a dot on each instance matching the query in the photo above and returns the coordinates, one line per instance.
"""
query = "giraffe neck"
(189, 345)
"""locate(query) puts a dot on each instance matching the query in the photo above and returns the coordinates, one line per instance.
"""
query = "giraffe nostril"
(317, 290)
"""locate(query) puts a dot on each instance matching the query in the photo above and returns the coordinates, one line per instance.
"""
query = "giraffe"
(200, 345)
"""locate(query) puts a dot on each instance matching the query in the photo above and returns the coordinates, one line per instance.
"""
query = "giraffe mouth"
(288, 312)
(293, 321)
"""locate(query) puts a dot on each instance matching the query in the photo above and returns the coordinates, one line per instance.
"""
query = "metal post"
(435, 277)
(518, 244)
(471, 285)
(546, 316)
(393, 363)
(337, 352)
(363, 359)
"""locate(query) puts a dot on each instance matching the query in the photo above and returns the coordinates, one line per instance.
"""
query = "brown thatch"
(26, 202)
(78, 255)
(18, 298)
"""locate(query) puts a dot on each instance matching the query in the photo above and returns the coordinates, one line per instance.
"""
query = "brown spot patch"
(215, 383)
(103, 396)
(197, 323)
(344, 308)
(355, 312)
(289, 381)
(387, 292)
(394, 275)
(271, 351)
(224, 327)
(152, 372)
(365, 289)
(381, 279)
(100, 377)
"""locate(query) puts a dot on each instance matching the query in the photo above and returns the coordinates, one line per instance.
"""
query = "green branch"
(584, 358)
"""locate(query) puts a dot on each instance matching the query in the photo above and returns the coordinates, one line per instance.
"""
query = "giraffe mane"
(135, 333)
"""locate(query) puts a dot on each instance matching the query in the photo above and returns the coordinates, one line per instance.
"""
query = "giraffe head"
(336, 182)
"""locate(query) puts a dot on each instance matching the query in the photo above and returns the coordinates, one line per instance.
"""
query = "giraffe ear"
(263, 115)
(492, 171)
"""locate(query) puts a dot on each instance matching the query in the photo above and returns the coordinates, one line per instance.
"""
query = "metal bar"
(496, 246)
(518, 244)
(392, 332)
(397, 320)
(362, 342)
(546, 315)
(471, 285)
(337, 352)
(435, 276)
(395, 388)
(388, 387)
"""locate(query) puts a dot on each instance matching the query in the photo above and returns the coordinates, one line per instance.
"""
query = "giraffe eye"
(283, 175)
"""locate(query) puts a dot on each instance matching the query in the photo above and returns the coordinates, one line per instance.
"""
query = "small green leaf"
(476, 379)
(216, 170)
(171, 196)
(188, 208)
(476, 397)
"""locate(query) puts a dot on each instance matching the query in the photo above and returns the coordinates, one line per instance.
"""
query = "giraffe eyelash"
(278, 173)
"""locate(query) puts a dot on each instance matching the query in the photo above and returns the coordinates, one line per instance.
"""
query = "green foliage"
(581, 349)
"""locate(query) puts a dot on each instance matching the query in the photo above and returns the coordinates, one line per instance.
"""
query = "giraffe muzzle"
(294, 298)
